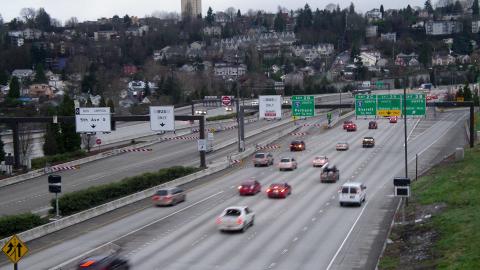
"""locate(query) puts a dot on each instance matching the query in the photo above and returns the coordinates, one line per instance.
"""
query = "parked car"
(351, 127)
(263, 159)
(228, 109)
(393, 119)
(352, 193)
(342, 146)
(297, 146)
(249, 187)
(104, 262)
(279, 190)
(288, 163)
(329, 174)
(169, 196)
(372, 125)
(320, 161)
(368, 142)
(235, 218)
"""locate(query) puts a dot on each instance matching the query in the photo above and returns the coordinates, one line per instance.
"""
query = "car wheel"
(252, 222)
(244, 228)
(341, 203)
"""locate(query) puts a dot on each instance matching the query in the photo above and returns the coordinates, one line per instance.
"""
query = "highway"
(307, 230)
(32, 195)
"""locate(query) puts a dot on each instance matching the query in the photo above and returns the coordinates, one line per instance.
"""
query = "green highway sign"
(365, 105)
(416, 105)
(303, 106)
(389, 105)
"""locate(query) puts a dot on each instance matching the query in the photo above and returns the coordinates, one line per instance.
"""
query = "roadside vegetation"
(442, 220)
(40, 162)
(78, 201)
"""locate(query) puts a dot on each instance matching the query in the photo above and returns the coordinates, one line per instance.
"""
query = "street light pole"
(405, 128)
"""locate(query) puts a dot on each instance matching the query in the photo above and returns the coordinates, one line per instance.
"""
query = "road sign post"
(303, 106)
(15, 249)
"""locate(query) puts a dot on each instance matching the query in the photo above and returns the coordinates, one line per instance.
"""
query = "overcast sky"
(93, 9)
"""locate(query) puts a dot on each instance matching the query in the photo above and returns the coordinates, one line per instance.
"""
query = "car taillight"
(156, 198)
(239, 221)
(219, 220)
(268, 190)
(283, 190)
(87, 264)
(239, 187)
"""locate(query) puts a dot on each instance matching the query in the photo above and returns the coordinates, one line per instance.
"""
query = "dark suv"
(372, 125)
(297, 146)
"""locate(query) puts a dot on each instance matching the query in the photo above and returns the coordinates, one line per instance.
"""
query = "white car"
(228, 109)
(342, 146)
(352, 193)
(320, 161)
(235, 218)
(287, 164)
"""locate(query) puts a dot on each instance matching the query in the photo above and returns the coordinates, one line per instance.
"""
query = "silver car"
(287, 164)
(263, 159)
(235, 218)
(169, 196)
(342, 146)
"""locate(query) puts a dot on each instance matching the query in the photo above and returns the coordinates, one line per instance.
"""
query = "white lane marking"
(137, 230)
(411, 131)
(313, 219)
(271, 265)
(295, 239)
(346, 237)
(305, 228)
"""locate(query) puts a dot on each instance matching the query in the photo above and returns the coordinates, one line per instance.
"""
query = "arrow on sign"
(162, 124)
(93, 126)
(19, 249)
(10, 249)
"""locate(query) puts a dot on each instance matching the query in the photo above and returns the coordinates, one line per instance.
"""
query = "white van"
(352, 193)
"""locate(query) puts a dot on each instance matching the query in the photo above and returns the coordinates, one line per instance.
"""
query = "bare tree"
(28, 15)
(72, 22)
(25, 142)
(231, 12)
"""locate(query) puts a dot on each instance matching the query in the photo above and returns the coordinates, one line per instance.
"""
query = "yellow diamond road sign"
(15, 249)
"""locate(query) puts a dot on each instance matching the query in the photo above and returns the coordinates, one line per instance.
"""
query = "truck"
(329, 174)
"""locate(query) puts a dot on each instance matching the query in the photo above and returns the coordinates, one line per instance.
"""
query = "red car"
(346, 123)
(250, 187)
(393, 119)
(351, 127)
(279, 190)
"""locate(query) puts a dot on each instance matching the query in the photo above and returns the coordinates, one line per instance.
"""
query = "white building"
(225, 70)
(368, 59)
(104, 35)
(392, 37)
(31, 34)
(23, 74)
(371, 31)
(436, 28)
(212, 31)
(374, 14)
(475, 27)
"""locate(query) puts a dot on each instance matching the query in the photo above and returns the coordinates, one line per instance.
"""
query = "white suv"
(352, 193)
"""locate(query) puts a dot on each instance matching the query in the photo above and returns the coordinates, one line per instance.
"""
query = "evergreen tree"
(40, 74)
(43, 20)
(210, 18)
(460, 93)
(102, 102)
(147, 89)
(279, 24)
(475, 8)
(429, 7)
(425, 56)
(476, 100)
(382, 10)
(351, 9)
(239, 14)
(3, 77)
(70, 140)
(2, 151)
(50, 146)
(467, 93)
(111, 105)
(14, 91)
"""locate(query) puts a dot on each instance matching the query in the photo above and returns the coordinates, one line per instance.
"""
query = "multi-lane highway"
(307, 230)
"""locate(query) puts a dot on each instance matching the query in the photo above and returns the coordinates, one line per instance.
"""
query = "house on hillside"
(40, 90)
(405, 60)
(23, 74)
(442, 59)
(374, 14)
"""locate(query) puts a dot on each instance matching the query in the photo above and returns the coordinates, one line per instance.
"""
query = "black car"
(104, 262)
(297, 146)
(372, 125)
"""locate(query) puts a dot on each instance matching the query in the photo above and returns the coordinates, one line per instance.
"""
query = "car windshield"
(276, 186)
(353, 190)
(232, 212)
(285, 160)
(162, 192)
(247, 184)
(321, 157)
(259, 155)
(296, 142)
(345, 190)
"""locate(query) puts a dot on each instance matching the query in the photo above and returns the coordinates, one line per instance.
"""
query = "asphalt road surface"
(307, 230)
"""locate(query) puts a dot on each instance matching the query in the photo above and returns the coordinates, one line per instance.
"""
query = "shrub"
(38, 163)
(18, 223)
(77, 201)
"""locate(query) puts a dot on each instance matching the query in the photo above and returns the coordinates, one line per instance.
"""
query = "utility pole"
(405, 128)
